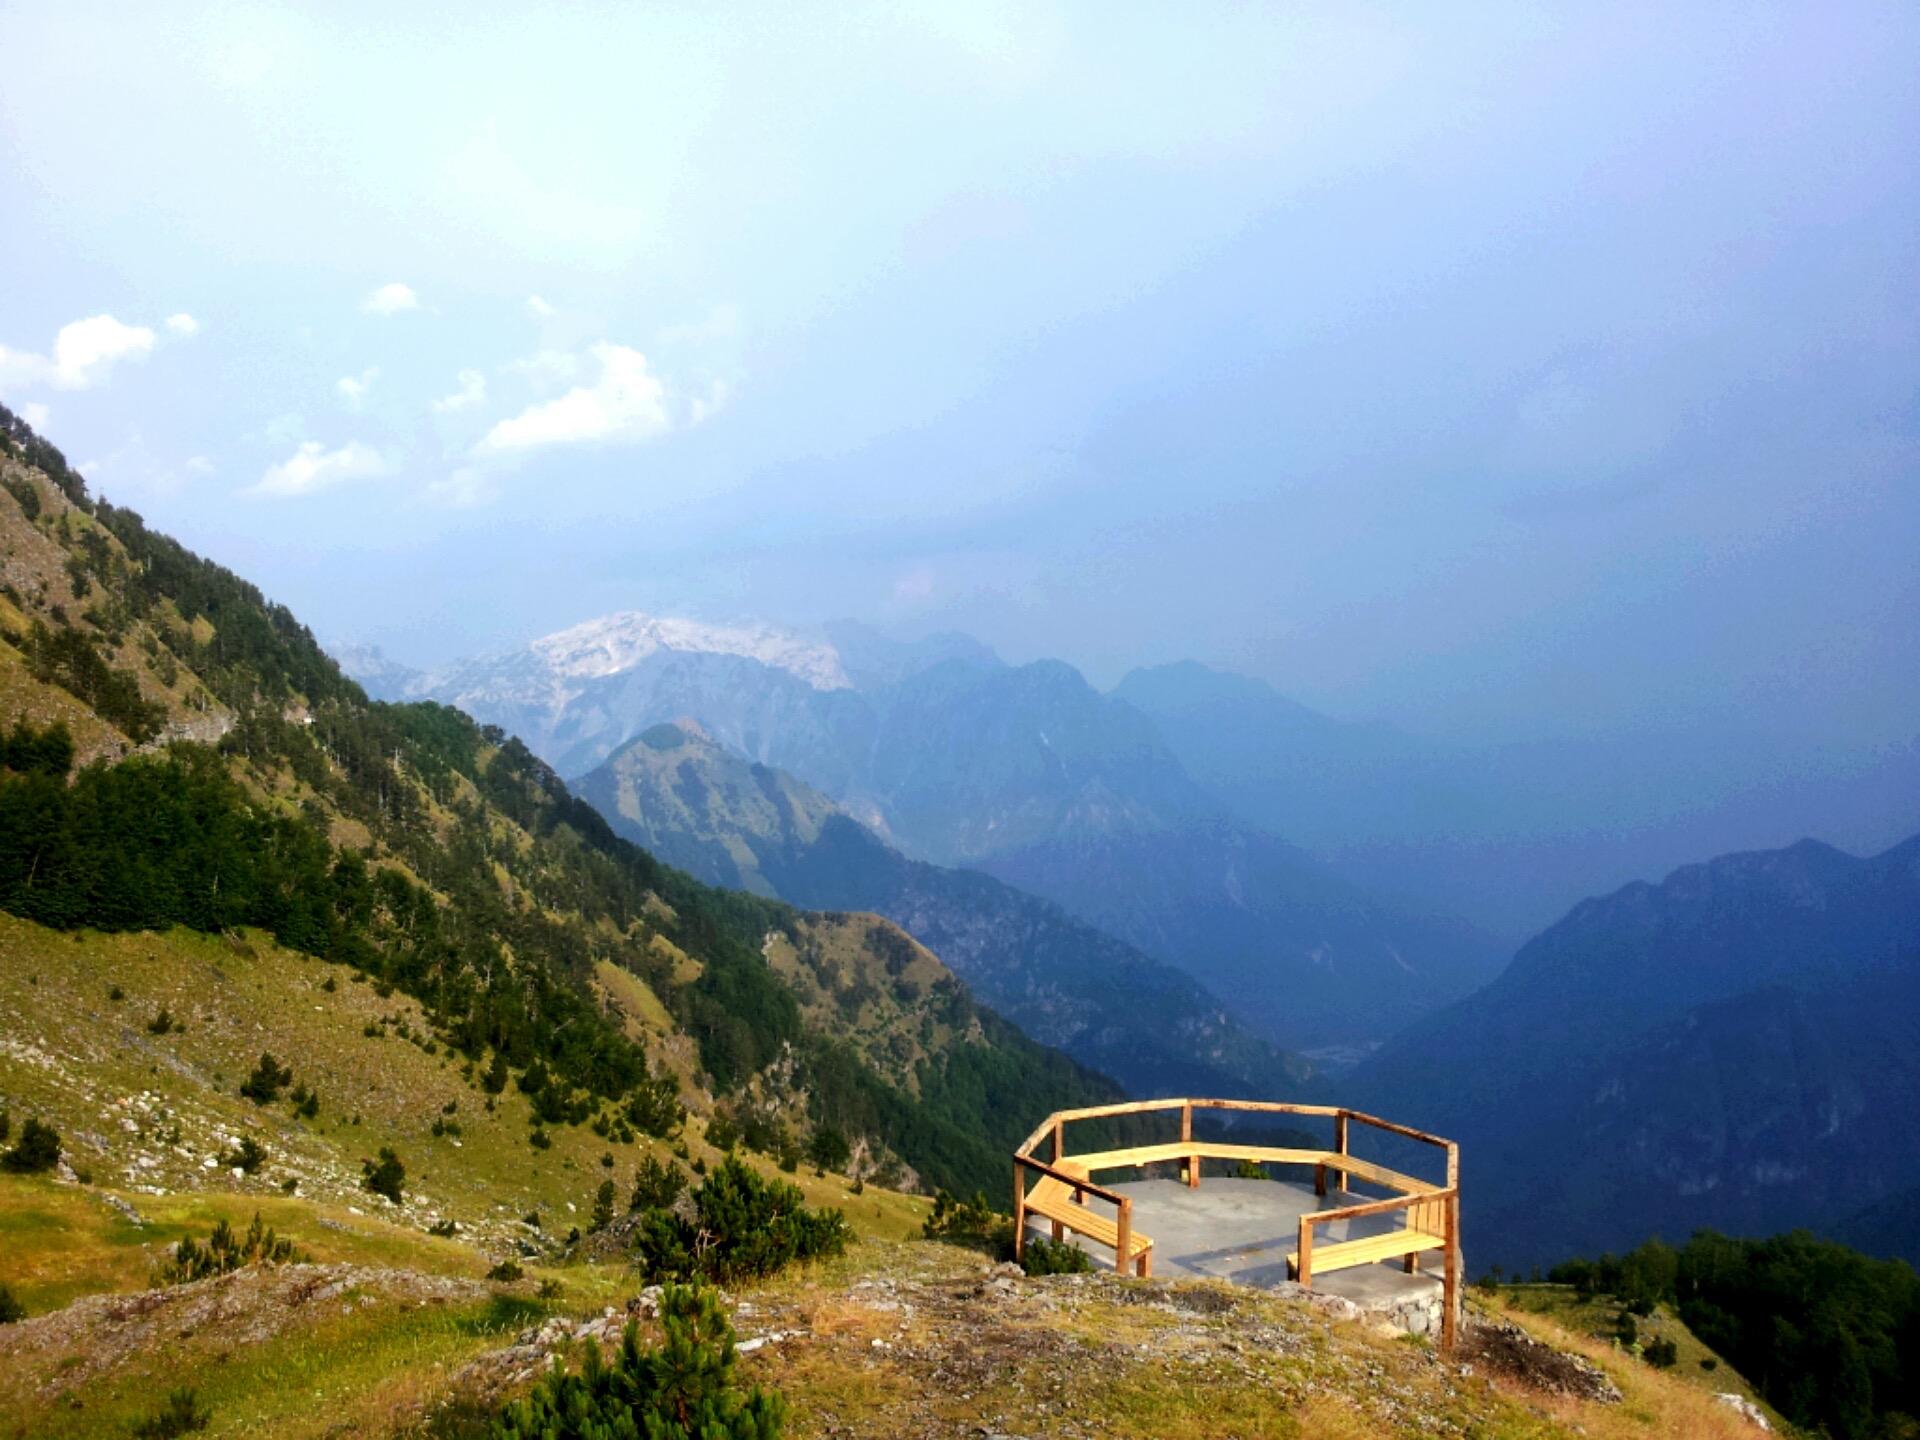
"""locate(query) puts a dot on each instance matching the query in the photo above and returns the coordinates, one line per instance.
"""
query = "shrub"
(6, 1125)
(495, 1080)
(550, 1289)
(744, 1227)
(37, 1150)
(828, 1149)
(602, 1206)
(387, 1177)
(268, 1079)
(967, 1222)
(248, 1156)
(722, 1133)
(445, 1229)
(10, 1308)
(182, 1414)
(1249, 1170)
(1662, 1354)
(656, 1185)
(654, 1108)
(30, 751)
(1051, 1257)
(306, 1103)
(225, 1252)
(506, 1272)
(684, 1386)
(163, 1022)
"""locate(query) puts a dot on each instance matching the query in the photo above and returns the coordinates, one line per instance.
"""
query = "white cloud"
(538, 308)
(353, 388)
(627, 403)
(84, 354)
(472, 392)
(36, 415)
(313, 467)
(183, 325)
(391, 300)
(198, 465)
(462, 489)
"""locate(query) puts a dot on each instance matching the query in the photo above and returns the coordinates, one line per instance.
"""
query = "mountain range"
(730, 822)
(1026, 772)
(1735, 1047)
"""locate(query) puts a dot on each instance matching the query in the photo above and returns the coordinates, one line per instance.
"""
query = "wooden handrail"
(1079, 1183)
(1375, 1207)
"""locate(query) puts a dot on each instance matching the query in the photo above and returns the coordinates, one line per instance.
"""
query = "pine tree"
(682, 1389)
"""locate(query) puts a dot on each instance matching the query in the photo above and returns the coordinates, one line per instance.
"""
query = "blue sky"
(1515, 371)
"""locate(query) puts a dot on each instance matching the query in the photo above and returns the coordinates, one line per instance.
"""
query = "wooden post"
(1340, 1145)
(1019, 1211)
(1059, 1145)
(1450, 1286)
(1186, 1137)
(1304, 1273)
(1123, 1241)
(1320, 1178)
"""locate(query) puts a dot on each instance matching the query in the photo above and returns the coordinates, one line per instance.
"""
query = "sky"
(1500, 371)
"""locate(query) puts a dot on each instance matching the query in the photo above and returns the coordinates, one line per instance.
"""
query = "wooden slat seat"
(1055, 1200)
(1344, 1254)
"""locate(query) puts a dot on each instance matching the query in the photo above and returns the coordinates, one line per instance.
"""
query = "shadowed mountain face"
(1511, 834)
(735, 823)
(1308, 959)
(1737, 1047)
(1027, 772)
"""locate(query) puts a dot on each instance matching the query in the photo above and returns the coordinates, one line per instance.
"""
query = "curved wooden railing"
(1066, 1180)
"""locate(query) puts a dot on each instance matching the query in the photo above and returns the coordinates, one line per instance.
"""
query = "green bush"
(602, 1206)
(506, 1272)
(828, 1149)
(744, 1227)
(248, 1156)
(1661, 1354)
(1055, 1257)
(683, 1387)
(656, 1185)
(181, 1415)
(225, 1252)
(37, 1150)
(388, 1177)
(268, 1079)
(10, 1308)
(1249, 1170)
(28, 751)
(968, 1222)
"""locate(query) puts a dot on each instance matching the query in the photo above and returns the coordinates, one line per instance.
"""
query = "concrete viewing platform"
(1352, 1249)
(1243, 1231)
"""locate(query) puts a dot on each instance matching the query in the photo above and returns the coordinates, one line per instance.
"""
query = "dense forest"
(1829, 1336)
(482, 886)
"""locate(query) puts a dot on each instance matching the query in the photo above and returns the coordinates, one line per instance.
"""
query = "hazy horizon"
(1491, 373)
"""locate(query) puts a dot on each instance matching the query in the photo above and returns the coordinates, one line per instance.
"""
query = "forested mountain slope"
(254, 785)
(718, 816)
(1025, 771)
(1736, 1047)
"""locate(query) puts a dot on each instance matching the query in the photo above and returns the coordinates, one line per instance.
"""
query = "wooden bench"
(1059, 1202)
(1394, 1245)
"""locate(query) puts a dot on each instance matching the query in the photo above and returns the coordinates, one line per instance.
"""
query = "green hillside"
(252, 785)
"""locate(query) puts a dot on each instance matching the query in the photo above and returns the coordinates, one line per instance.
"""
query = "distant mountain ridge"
(734, 823)
(1737, 1047)
(956, 758)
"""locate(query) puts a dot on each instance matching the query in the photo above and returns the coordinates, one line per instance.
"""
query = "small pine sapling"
(386, 1177)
